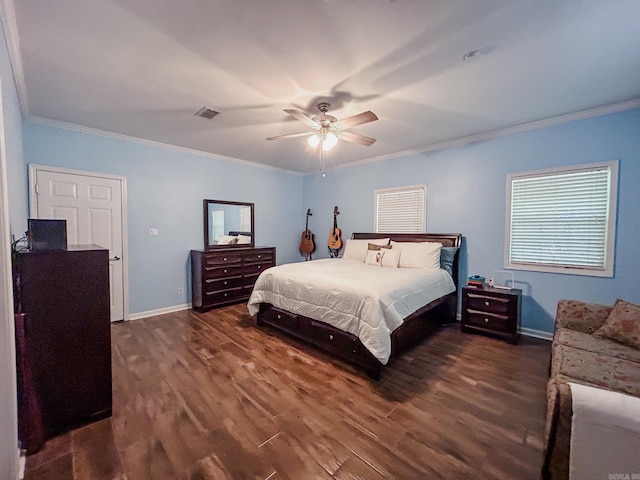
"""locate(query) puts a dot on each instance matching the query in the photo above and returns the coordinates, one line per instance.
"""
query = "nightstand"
(492, 310)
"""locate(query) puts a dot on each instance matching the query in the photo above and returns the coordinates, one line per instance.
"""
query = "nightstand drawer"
(488, 303)
(491, 321)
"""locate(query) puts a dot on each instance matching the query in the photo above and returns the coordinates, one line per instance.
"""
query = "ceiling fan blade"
(302, 117)
(359, 119)
(291, 135)
(356, 138)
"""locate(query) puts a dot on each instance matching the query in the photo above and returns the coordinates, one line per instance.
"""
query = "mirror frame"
(207, 245)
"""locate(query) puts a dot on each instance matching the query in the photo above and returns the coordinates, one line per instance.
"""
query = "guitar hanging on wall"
(307, 245)
(335, 236)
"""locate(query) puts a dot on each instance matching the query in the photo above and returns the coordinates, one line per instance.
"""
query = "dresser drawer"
(215, 285)
(222, 272)
(259, 256)
(489, 303)
(226, 258)
(255, 269)
(222, 296)
(492, 321)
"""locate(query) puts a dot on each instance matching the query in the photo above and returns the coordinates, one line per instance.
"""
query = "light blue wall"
(466, 193)
(165, 189)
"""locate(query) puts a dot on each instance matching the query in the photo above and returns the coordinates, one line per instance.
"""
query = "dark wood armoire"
(62, 298)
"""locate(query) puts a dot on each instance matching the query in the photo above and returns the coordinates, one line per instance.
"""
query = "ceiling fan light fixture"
(313, 140)
(330, 140)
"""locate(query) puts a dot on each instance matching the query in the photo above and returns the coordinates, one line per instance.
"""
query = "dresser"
(492, 310)
(62, 301)
(224, 276)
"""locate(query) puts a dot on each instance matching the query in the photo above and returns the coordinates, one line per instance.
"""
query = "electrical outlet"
(180, 291)
(153, 232)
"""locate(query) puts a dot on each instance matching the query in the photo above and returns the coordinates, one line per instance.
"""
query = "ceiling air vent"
(206, 112)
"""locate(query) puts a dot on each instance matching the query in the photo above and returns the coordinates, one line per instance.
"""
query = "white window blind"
(401, 210)
(563, 220)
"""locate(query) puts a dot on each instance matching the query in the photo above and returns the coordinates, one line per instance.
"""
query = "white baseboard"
(159, 311)
(530, 332)
(22, 464)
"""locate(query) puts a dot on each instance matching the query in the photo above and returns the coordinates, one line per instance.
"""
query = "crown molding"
(37, 120)
(484, 136)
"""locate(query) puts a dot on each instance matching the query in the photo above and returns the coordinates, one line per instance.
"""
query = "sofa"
(595, 345)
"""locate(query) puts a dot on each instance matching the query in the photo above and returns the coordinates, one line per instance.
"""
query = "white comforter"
(365, 300)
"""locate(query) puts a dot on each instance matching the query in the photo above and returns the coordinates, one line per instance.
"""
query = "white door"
(92, 205)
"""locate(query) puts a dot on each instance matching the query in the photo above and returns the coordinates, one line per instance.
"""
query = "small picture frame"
(503, 279)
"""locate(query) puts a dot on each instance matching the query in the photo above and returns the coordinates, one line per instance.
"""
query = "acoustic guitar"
(307, 245)
(335, 235)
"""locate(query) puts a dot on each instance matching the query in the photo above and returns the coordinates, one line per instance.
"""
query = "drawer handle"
(330, 337)
(226, 294)
(259, 256)
(225, 282)
(225, 259)
(225, 270)
(486, 320)
(486, 304)
(259, 267)
(279, 316)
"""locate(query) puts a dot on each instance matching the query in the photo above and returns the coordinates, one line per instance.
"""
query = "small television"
(44, 234)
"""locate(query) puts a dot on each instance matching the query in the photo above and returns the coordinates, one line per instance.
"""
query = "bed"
(366, 315)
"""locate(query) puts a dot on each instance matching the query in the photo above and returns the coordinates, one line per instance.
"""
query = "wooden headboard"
(446, 239)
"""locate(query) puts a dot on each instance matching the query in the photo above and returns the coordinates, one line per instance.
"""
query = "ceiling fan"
(327, 129)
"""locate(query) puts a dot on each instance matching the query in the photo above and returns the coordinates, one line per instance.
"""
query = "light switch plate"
(153, 232)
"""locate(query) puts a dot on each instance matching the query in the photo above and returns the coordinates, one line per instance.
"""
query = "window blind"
(401, 210)
(561, 219)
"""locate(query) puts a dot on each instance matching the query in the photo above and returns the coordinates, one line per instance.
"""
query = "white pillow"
(244, 239)
(390, 258)
(357, 249)
(227, 240)
(418, 254)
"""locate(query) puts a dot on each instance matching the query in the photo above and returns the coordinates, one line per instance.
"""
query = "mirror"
(228, 224)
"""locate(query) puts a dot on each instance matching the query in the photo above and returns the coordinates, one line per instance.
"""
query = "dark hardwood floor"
(212, 396)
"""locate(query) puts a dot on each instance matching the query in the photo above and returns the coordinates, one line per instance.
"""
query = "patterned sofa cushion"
(600, 370)
(591, 343)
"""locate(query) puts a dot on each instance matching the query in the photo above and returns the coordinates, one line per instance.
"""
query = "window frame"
(379, 191)
(610, 237)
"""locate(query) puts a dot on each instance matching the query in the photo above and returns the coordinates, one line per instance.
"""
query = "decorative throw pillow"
(622, 324)
(357, 249)
(373, 246)
(374, 257)
(418, 254)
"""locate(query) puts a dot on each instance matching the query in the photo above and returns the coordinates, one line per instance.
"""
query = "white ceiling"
(142, 68)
